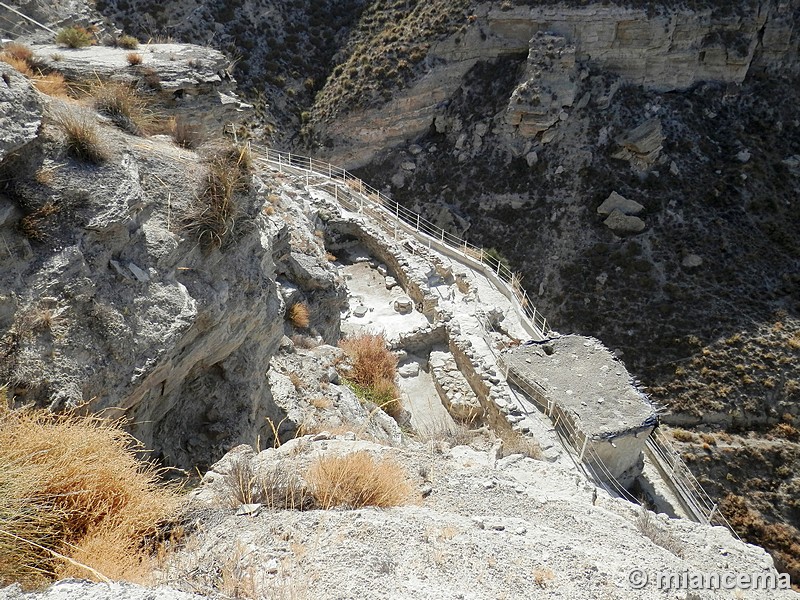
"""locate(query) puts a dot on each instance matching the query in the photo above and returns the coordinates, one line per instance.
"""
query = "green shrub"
(74, 37)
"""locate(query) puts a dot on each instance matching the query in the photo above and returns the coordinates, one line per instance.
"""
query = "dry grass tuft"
(515, 442)
(213, 219)
(75, 37)
(20, 65)
(134, 58)
(186, 134)
(19, 52)
(81, 135)
(52, 84)
(72, 491)
(276, 489)
(21, 58)
(357, 480)
(299, 315)
(372, 372)
(123, 105)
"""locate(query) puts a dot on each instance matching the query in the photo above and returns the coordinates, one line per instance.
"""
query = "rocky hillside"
(636, 162)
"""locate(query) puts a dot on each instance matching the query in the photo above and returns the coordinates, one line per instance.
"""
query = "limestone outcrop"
(669, 50)
(184, 79)
(20, 111)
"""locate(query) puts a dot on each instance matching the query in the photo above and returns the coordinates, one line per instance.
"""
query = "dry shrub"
(187, 134)
(20, 65)
(372, 373)
(123, 105)
(72, 486)
(74, 37)
(19, 51)
(370, 359)
(683, 436)
(213, 218)
(81, 135)
(275, 488)
(134, 58)
(356, 480)
(779, 539)
(515, 442)
(52, 84)
(299, 315)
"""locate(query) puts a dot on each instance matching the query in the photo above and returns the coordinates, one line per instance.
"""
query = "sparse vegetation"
(276, 489)
(515, 442)
(358, 479)
(214, 217)
(74, 499)
(134, 58)
(372, 370)
(75, 36)
(187, 134)
(299, 315)
(123, 105)
(82, 137)
(128, 42)
(31, 224)
(650, 527)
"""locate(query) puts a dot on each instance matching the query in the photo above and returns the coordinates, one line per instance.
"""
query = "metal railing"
(694, 499)
(357, 195)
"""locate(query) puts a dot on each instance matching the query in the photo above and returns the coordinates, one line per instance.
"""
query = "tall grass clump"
(74, 499)
(123, 105)
(372, 371)
(358, 479)
(213, 218)
(82, 137)
(74, 36)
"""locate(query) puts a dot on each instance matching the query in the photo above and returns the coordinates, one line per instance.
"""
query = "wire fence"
(14, 23)
(361, 197)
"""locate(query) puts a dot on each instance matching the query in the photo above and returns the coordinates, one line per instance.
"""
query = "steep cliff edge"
(139, 279)
(672, 48)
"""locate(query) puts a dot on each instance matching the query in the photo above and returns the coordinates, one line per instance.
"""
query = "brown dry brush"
(123, 105)
(358, 479)
(373, 371)
(74, 499)
(216, 210)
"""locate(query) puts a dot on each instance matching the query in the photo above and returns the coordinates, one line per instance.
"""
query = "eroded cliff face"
(114, 298)
(669, 50)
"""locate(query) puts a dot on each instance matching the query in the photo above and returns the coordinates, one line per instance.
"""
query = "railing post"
(330, 171)
(280, 164)
(480, 259)
(417, 227)
(498, 267)
(443, 236)
(360, 203)
(583, 449)
(396, 211)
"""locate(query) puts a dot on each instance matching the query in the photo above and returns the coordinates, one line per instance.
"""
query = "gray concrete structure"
(591, 399)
